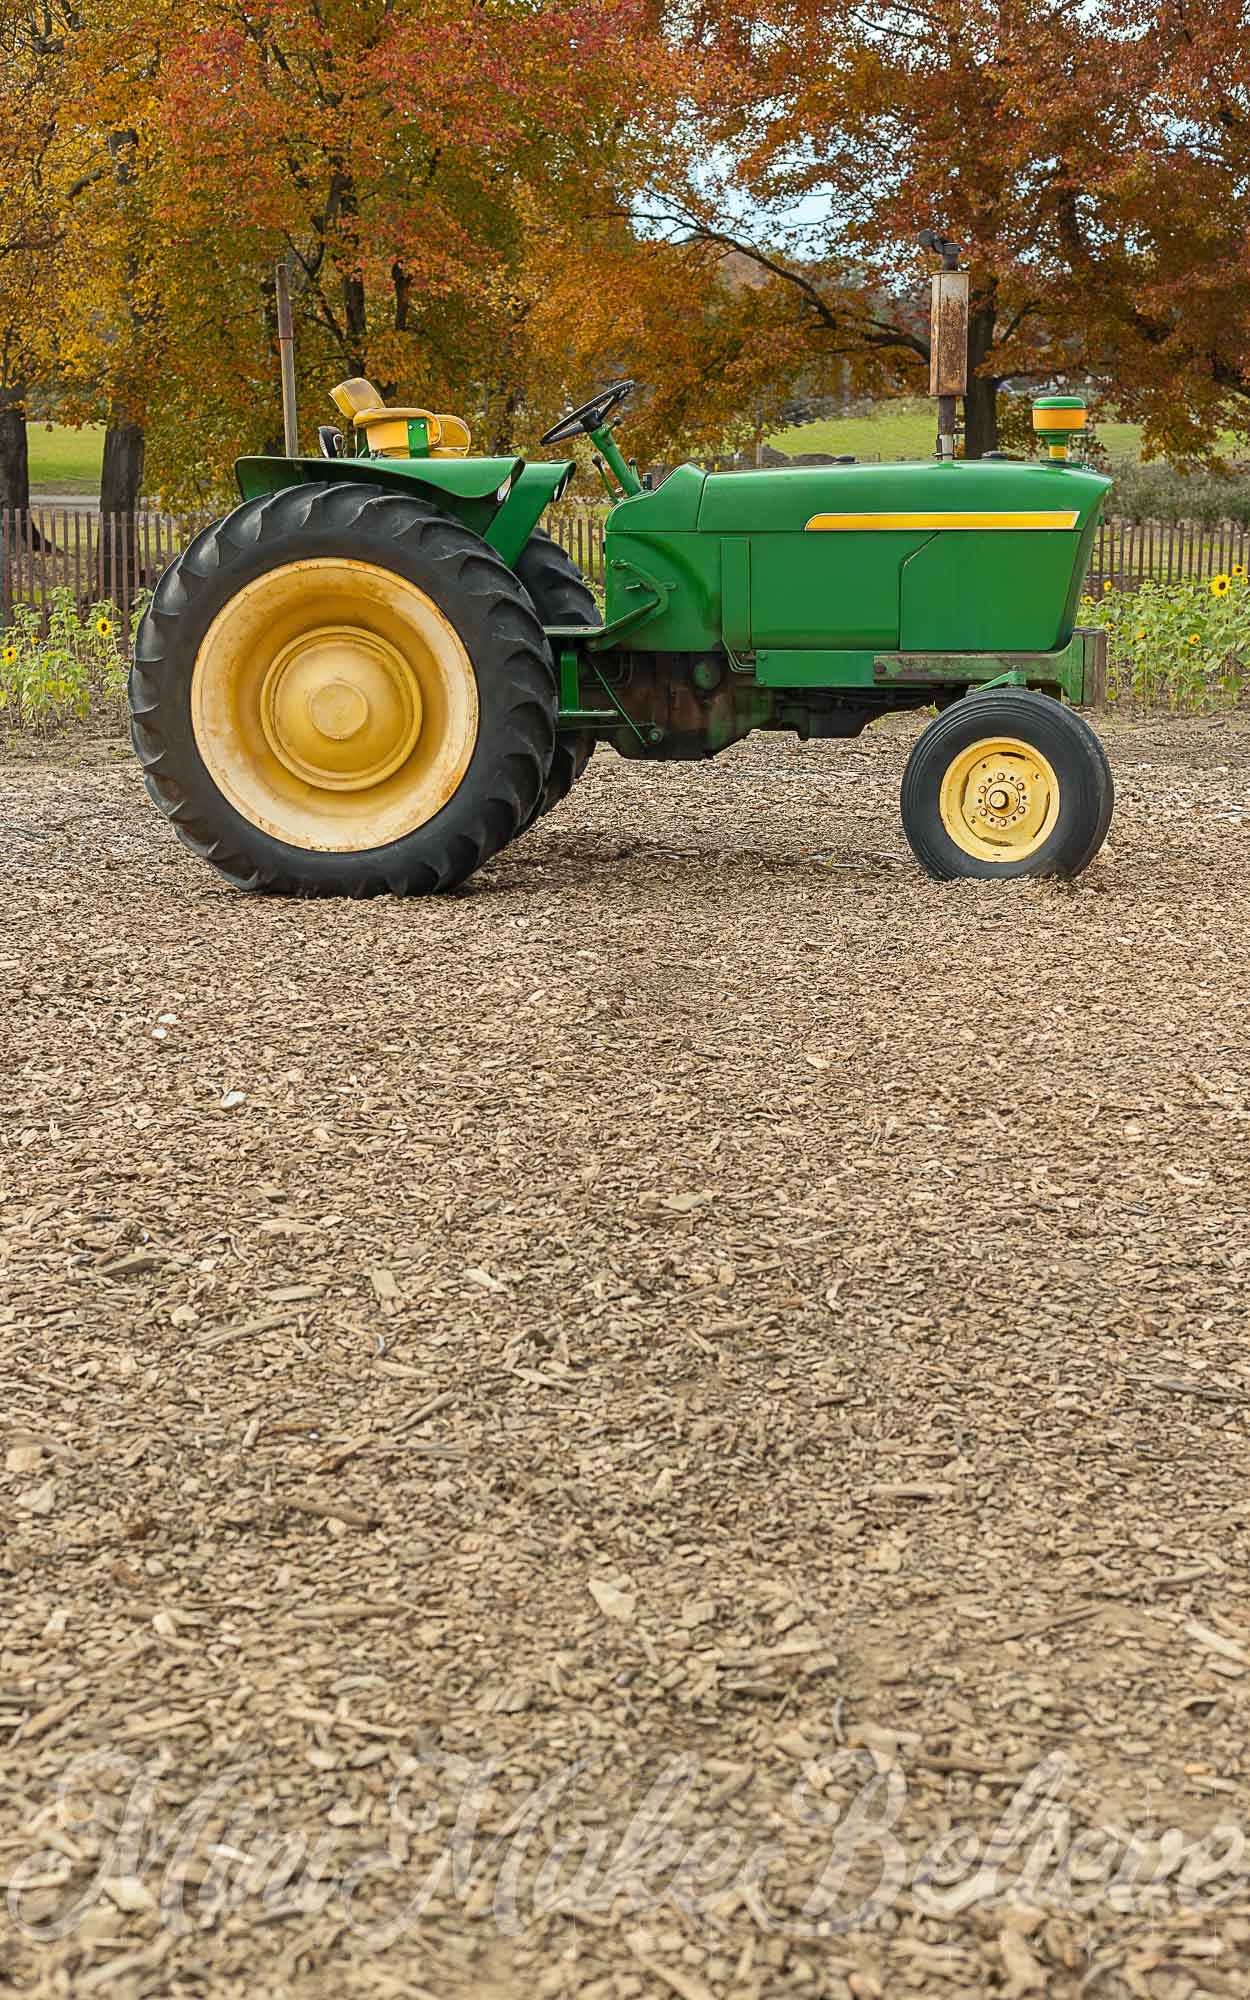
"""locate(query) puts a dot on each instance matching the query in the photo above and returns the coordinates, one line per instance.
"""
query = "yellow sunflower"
(104, 627)
(1108, 585)
(1221, 585)
(1194, 639)
(1141, 634)
(1238, 570)
(10, 656)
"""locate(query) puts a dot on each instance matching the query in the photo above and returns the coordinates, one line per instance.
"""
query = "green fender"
(500, 499)
(533, 491)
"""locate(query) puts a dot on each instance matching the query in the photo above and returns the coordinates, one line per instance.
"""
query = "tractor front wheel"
(1006, 783)
(340, 691)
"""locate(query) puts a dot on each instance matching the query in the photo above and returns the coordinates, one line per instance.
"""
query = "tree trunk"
(121, 478)
(981, 416)
(981, 396)
(121, 475)
(14, 462)
(355, 322)
(502, 420)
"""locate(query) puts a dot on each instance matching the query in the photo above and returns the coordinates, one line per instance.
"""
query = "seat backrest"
(353, 397)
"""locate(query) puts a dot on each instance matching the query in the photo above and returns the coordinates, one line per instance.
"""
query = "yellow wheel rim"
(999, 800)
(334, 705)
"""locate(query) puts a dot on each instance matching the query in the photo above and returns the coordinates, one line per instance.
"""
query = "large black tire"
(1001, 804)
(561, 596)
(453, 570)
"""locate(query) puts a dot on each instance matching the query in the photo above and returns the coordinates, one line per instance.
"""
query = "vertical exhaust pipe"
(286, 352)
(948, 342)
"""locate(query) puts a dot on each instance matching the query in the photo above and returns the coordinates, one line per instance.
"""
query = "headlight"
(503, 491)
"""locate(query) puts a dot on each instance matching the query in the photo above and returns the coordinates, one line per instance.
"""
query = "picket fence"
(111, 558)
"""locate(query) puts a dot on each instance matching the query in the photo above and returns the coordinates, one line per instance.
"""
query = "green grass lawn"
(906, 429)
(64, 460)
(894, 430)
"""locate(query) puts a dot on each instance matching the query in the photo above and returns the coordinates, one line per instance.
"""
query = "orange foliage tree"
(35, 189)
(75, 92)
(1091, 164)
(1165, 267)
(404, 157)
(410, 160)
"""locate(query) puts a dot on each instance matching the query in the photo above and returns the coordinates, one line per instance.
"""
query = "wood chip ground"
(704, 1307)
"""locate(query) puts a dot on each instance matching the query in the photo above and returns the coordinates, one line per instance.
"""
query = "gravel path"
(699, 1344)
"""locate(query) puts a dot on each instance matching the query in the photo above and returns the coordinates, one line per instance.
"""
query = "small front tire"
(1005, 784)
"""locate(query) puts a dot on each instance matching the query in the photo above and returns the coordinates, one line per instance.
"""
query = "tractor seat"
(387, 429)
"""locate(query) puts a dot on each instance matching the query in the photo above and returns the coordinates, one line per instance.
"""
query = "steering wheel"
(589, 416)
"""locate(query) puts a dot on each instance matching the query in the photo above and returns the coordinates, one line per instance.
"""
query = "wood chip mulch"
(705, 1321)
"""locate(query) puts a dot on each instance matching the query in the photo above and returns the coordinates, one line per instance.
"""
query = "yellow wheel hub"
(334, 705)
(999, 799)
(341, 708)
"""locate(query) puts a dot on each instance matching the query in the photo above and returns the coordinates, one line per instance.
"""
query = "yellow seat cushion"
(394, 411)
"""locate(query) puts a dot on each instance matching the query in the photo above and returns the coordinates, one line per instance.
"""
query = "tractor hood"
(929, 496)
(960, 556)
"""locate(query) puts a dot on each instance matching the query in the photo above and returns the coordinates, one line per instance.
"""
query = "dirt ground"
(674, 1423)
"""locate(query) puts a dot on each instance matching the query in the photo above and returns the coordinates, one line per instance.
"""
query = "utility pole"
(948, 336)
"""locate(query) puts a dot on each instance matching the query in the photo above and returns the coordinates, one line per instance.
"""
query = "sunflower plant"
(1183, 645)
(72, 671)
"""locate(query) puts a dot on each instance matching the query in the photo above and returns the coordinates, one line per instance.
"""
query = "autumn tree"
(403, 156)
(716, 350)
(407, 158)
(825, 133)
(1163, 259)
(35, 188)
(75, 271)
(1090, 163)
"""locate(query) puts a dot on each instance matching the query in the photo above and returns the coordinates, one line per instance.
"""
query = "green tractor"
(378, 670)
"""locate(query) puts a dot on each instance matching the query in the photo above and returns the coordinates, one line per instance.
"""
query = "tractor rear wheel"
(1007, 783)
(340, 691)
(561, 596)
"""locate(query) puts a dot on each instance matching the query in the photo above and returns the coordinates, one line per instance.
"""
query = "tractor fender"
(501, 499)
(471, 489)
(532, 492)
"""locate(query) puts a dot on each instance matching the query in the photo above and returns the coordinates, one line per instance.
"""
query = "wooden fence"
(110, 558)
(97, 558)
(1129, 553)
